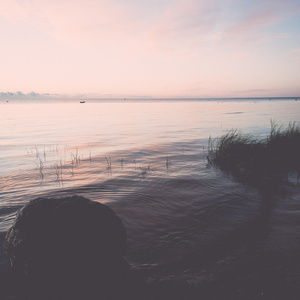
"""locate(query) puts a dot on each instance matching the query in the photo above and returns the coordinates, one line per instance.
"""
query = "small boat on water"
(82, 101)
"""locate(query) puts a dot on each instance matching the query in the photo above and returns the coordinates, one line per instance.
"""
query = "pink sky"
(166, 48)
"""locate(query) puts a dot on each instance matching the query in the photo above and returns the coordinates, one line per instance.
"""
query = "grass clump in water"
(257, 161)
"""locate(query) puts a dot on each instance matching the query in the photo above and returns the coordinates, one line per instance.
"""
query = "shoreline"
(250, 266)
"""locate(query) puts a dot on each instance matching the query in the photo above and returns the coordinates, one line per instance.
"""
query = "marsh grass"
(58, 170)
(258, 161)
(40, 167)
(108, 165)
(168, 162)
(122, 163)
(146, 170)
(134, 163)
(63, 164)
(75, 157)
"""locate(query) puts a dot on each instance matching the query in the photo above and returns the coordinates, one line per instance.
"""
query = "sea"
(146, 159)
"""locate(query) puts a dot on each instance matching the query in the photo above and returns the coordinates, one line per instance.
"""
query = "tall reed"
(258, 161)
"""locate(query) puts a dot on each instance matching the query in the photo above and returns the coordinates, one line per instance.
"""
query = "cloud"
(283, 36)
(251, 22)
(72, 21)
(150, 22)
(12, 11)
(102, 21)
(256, 91)
(200, 23)
(184, 19)
(295, 55)
(268, 93)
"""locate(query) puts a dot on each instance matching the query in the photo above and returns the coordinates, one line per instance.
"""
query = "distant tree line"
(18, 94)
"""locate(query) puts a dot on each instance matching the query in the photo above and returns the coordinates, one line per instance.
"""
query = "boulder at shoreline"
(67, 248)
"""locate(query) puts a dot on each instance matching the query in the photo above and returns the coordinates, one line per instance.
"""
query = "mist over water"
(145, 159)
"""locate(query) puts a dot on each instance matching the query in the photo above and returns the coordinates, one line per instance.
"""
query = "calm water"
(144, 159)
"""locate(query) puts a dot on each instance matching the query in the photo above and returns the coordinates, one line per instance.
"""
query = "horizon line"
(95, 96)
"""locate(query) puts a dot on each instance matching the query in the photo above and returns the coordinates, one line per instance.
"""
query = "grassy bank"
(262, 162)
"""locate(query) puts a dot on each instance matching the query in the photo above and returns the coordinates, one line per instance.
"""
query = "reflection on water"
(145, 159)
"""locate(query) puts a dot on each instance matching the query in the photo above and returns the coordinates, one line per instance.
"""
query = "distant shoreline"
(137, 99)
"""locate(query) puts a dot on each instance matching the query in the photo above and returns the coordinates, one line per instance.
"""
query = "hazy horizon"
(89, 96)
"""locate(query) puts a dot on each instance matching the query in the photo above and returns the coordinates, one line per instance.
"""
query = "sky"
(151, 48)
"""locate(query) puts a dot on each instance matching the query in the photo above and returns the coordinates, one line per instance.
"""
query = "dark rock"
(70, 248)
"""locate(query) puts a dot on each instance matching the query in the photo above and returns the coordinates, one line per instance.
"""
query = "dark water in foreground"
(186, 223)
